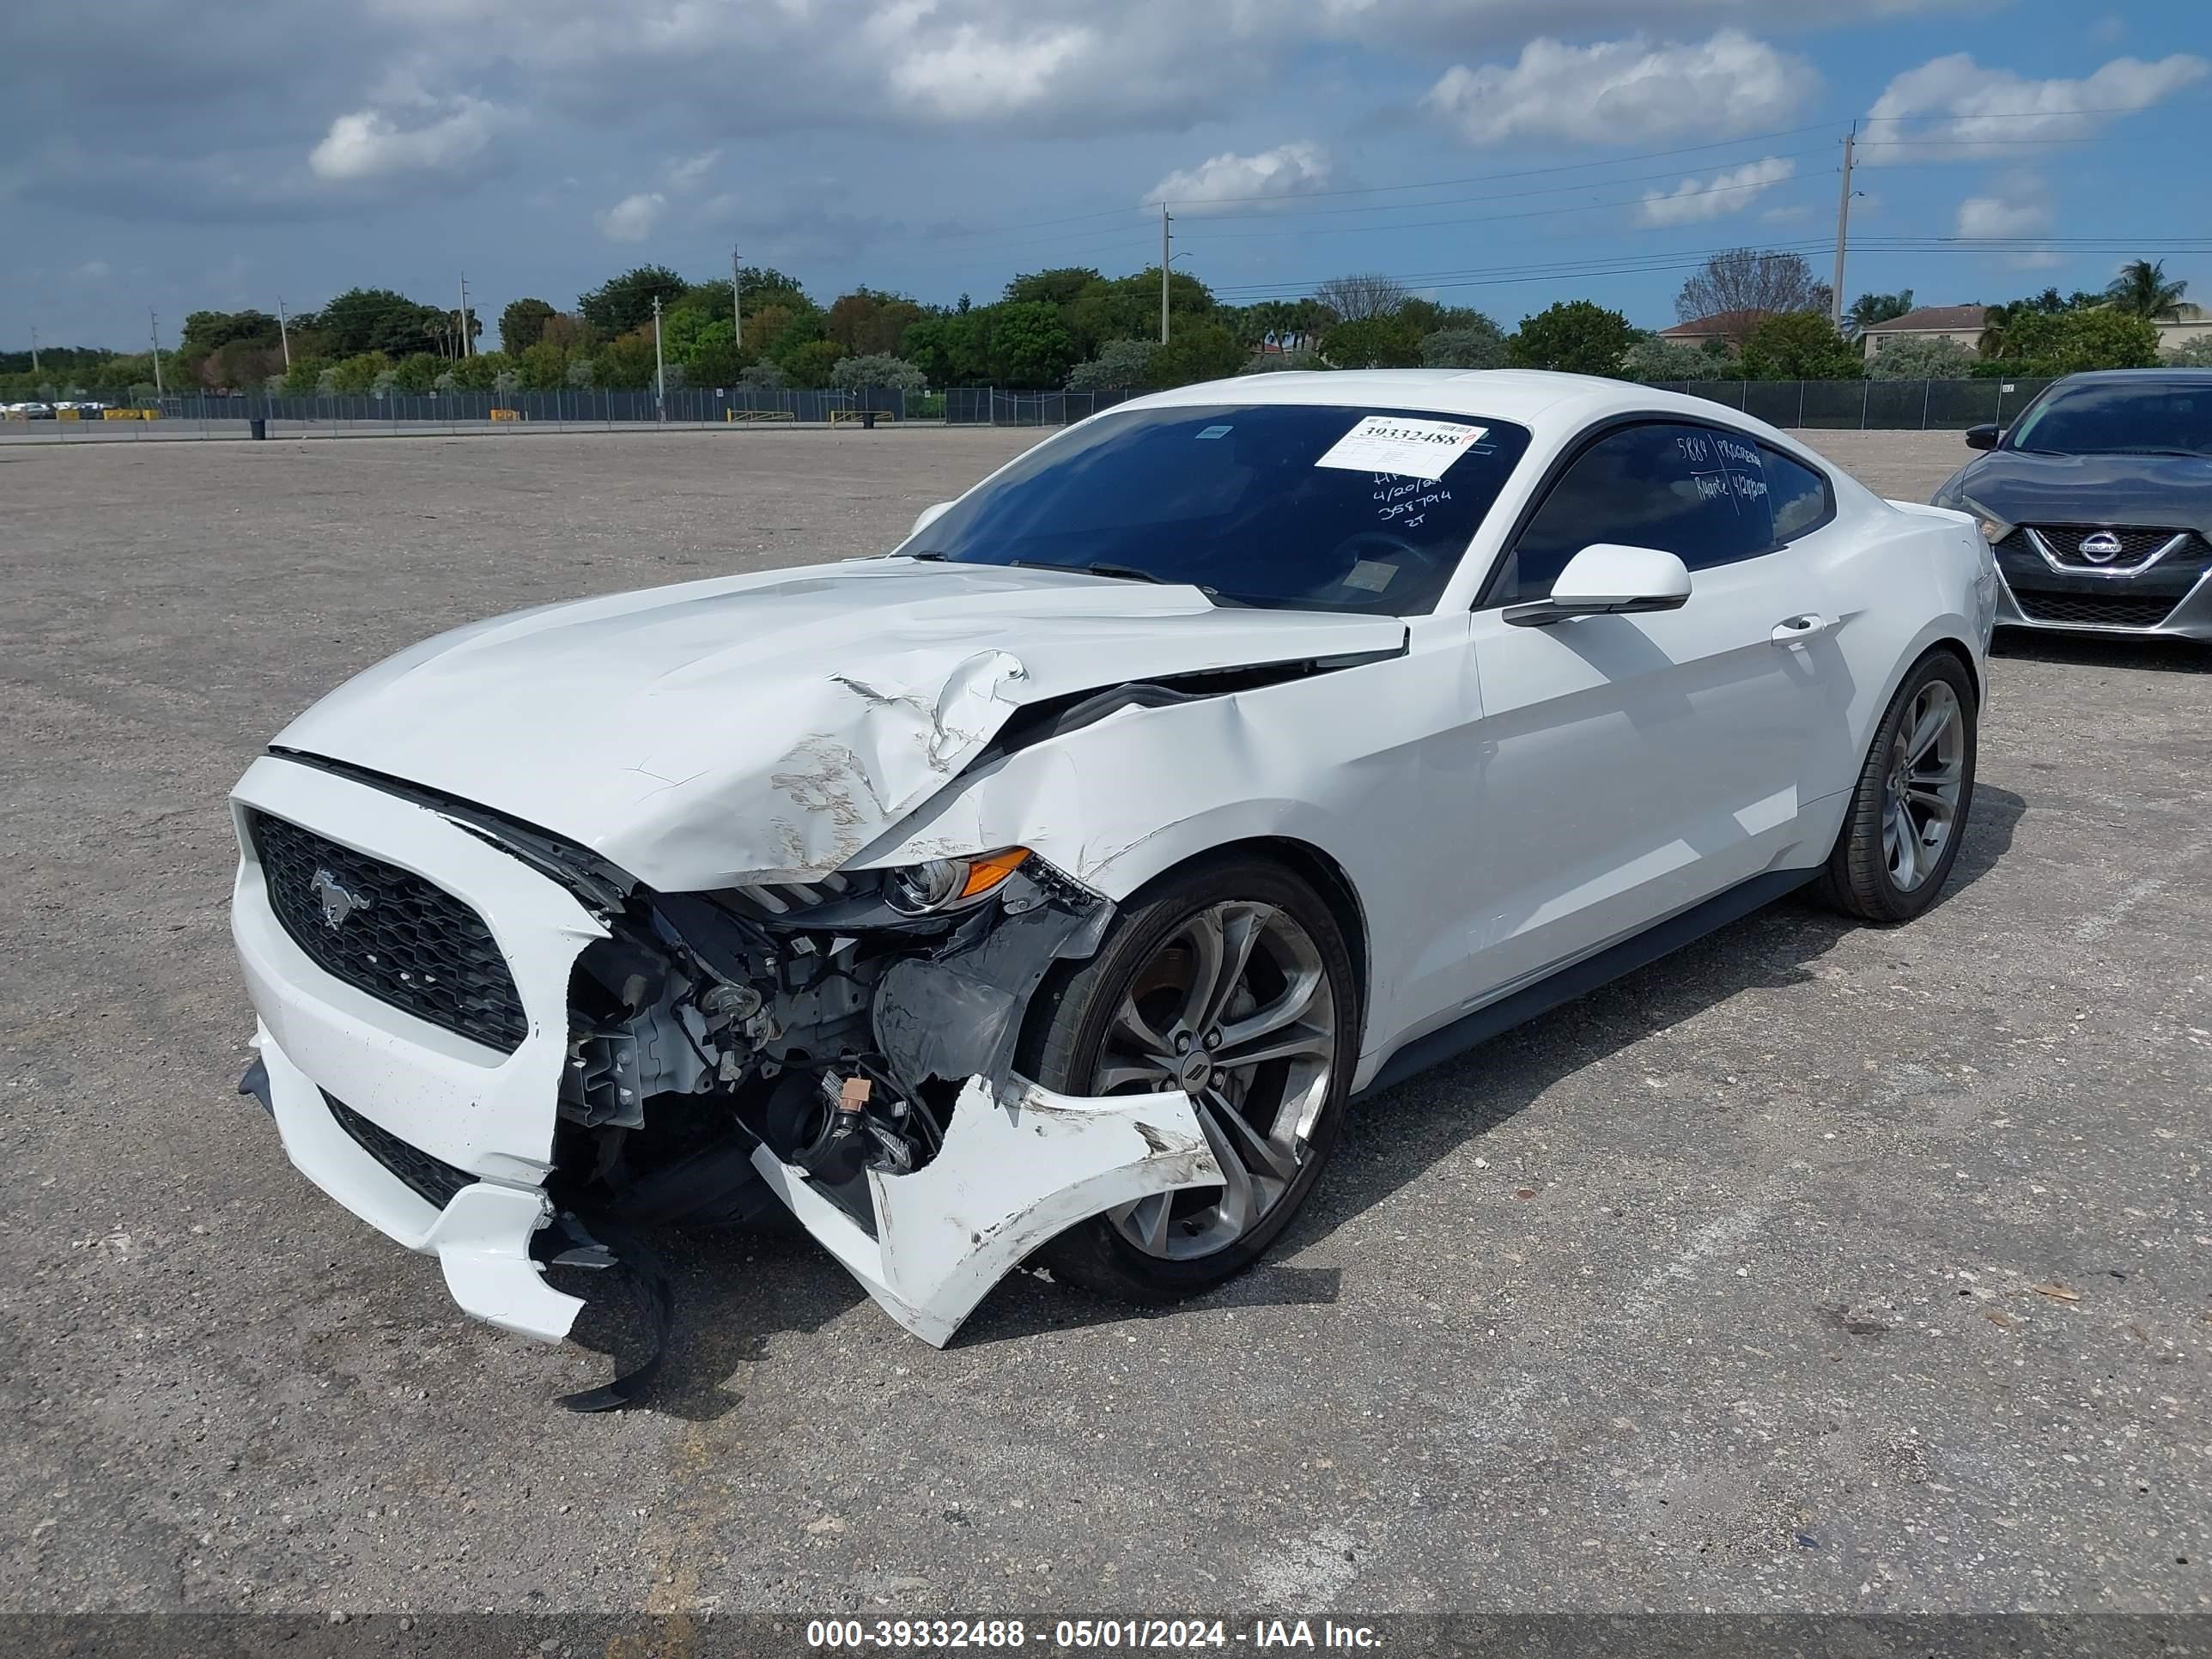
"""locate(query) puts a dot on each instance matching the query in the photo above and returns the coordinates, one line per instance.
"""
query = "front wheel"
(1231, 983)
(1908, 810)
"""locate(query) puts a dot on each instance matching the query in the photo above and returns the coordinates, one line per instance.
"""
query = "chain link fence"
(1886, 405)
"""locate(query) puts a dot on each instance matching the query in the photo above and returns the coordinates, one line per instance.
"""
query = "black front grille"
(2137, 543)
(388, 931)
(2094, 609)
(430, 1179)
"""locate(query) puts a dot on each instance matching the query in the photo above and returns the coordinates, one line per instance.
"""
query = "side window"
(1689, 490)
(1797, 495)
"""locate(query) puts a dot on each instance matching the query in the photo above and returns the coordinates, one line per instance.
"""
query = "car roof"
(1537, 398)
(2179, 374)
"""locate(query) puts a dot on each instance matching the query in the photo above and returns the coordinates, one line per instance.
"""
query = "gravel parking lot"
(1813, 1267)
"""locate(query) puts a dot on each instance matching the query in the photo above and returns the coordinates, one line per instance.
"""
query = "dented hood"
(767, 727)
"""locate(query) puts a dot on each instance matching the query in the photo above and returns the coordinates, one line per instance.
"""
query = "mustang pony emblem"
(339, 901)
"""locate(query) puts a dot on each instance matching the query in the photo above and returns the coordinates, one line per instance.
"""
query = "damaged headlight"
(942, 885)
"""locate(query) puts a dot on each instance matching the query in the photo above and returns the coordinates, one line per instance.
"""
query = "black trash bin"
(868, 420)
(258, 427)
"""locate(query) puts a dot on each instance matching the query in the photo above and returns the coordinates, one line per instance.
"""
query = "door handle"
(1793, 631)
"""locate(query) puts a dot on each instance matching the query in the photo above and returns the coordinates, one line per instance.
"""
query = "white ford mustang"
(1054, 884)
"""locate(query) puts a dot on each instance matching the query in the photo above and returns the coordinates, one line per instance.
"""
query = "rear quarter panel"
(1903, 578)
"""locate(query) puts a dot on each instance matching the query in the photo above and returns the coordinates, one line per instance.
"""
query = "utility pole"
(1166, 237)
(737, 303)
(284, 334)
(154, 334)
(467, 348)
(660, 370)
(1843, 232)
(34, 351)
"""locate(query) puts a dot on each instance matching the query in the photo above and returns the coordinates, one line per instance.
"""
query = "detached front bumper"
(445, 1144)
(331, 1050)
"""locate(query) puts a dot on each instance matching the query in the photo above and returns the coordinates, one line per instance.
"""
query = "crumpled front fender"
(1020, 1165)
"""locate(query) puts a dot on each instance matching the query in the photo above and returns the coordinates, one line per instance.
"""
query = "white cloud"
(1964, 110)
(971, 74)
(632, 219)
(1277, 174)
(1730, 191)
(1625, 91)
(688, 172)
(369, 144)
(2019, 207)
(94, 270)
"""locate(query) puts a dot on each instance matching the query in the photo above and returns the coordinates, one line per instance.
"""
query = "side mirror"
(928, 516)
(1984, 436)
(1605, 579)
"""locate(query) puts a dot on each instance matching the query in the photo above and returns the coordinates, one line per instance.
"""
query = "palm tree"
(2140, 290)
(1996, 323)
(1869, 309)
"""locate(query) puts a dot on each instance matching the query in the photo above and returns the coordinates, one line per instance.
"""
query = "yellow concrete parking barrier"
(67, 415)
(129, 414)
(507, 415)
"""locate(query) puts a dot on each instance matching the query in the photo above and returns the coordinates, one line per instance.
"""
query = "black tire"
(1066, 1030)
(1858, 879)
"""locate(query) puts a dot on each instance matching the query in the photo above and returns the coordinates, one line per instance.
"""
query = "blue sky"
(170, 155)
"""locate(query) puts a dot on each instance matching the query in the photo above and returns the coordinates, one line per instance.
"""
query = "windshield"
(1299, 505)
(2119, 417)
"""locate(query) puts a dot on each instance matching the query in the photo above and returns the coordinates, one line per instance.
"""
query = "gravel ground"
(1814, 1267)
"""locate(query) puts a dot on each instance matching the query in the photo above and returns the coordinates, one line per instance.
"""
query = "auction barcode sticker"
(1412, 449)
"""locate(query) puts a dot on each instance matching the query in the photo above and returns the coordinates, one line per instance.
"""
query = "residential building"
(1960, 323)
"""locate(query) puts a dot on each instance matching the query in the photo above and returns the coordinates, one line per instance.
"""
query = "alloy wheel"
(1926, 773)
(1234, 1007)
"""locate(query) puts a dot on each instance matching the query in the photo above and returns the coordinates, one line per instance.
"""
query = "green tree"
(301, 379)
(878, 370)
(542, 367)
(358, 373)
(1921, 357)
(522, 324)
(1651, 359)
(1379, 340)
(1061, 286)
(482, 372)
(1480, 343)
(211, 331)
(1293, 362)
(1028, 344)
(2194, 354)
(868, 323)
(623, 365)
(1120, 364)
(417, 372)
(2142, 290)
(812, 363)
(948, 350)
(1800, 345)
(378, 320)
(1198, 350)
(625, 303)
(2070, 342)
(1573, 335)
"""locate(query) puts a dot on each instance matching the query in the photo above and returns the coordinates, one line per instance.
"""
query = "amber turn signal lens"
(986, 872)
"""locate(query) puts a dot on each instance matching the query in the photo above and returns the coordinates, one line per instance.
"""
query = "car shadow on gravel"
(733, 1293)
(2150, 654)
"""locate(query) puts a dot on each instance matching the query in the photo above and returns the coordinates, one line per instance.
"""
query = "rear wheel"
(1232, 982)
(1908, 810)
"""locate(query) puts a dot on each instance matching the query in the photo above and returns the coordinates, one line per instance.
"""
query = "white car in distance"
(1055, 882)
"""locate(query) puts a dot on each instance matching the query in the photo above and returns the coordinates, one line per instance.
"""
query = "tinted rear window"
(1234, 499)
